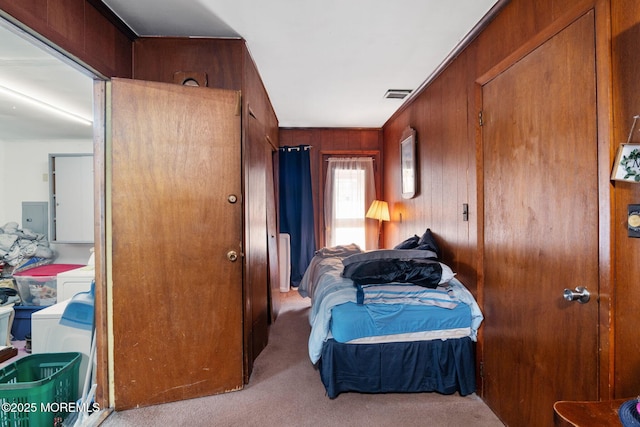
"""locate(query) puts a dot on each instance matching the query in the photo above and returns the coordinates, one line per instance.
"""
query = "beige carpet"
(285, 390)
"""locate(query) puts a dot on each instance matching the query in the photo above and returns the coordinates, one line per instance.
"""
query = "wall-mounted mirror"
(408, 169)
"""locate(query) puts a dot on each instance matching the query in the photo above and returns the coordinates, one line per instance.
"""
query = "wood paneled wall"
(158, 58)
(446, 170)
(85, 29)
(258, 99)
(334, 141)
(445, 119)
(625, 25)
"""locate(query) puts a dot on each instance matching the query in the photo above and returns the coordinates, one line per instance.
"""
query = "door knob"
(581, 294)
(232, 256)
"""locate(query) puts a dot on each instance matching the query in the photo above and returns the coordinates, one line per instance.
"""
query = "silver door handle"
(581, 294)
(232, 256)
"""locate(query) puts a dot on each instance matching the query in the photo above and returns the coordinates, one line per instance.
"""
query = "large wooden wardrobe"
(193, 224)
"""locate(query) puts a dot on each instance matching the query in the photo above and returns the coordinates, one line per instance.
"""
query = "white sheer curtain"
(349, 190)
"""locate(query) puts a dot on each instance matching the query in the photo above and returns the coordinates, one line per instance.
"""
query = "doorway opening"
(48, 107)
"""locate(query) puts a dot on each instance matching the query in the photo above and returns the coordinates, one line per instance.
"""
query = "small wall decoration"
(408, 179)
(626, 166)
(633, 220)
(191, 78)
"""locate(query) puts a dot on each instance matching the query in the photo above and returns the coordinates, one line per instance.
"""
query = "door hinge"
(481, 367)
(480, 119)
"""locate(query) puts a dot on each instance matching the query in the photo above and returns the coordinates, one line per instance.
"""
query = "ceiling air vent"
(397, 93)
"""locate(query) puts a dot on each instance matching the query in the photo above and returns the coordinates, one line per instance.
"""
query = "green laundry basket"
(39, 389)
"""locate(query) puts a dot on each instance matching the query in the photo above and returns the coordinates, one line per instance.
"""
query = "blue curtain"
(296, 207)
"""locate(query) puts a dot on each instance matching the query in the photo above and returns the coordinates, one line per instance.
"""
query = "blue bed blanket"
(375, 323)
(324, 284)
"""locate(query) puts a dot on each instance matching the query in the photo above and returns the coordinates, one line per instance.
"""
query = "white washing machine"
(49, 336)
(71, 282)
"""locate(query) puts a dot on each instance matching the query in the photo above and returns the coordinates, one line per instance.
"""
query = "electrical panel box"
(35, 217)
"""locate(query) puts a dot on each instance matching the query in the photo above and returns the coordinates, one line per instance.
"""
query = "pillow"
(422, 272)
(447, 274)
(427, 242)
(338, 251)
(381, 254)
(410, 243)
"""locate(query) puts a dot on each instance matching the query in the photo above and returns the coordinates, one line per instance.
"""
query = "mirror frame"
(408, 164)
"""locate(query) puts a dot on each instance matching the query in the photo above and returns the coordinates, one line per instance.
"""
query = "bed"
(392, 320)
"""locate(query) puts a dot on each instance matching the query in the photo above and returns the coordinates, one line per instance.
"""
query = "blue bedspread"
(324, 284)
(351, 321)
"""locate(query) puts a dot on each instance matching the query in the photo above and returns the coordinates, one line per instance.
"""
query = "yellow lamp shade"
(378, 210)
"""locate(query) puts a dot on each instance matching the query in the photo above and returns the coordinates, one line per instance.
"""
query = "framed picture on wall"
(408, 163)
(627, 163)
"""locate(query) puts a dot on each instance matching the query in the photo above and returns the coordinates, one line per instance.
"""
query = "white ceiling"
(324, 63)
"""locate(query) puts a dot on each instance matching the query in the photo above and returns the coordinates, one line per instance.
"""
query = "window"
(349, 189)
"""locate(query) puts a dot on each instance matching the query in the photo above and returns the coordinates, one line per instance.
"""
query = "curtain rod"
(303, 147)
(373, 159)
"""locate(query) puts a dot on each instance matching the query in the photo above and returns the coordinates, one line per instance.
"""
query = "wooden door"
(177, 297)
(540, 186)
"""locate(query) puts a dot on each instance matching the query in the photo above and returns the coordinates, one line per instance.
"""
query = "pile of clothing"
(22, 247)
